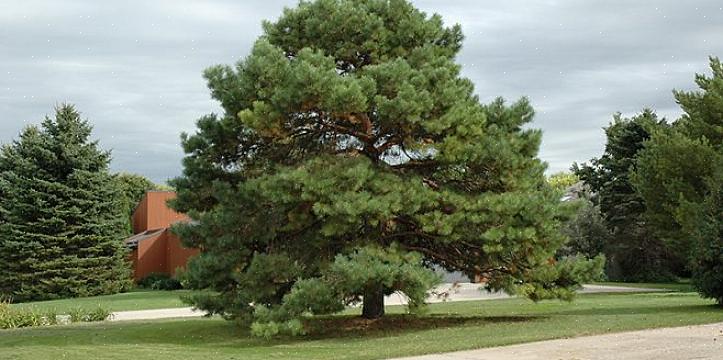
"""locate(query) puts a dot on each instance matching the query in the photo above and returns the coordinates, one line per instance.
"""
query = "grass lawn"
(682, 286)
(134, 300)
(448, 327)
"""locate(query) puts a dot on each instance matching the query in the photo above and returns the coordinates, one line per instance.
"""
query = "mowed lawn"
(448, 327)
(134, 300)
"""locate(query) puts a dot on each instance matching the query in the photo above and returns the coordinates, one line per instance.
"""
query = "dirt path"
(689, 342)
(460, 292)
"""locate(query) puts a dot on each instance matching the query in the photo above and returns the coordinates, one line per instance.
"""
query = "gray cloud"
(134, 67)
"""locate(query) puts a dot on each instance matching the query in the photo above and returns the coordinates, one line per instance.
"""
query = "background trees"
(60, 214)
(679, 176)
(350, 141)
(634, 253)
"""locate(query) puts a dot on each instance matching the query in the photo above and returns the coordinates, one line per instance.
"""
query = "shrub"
(159, 281)
(79, 314)
(11, 317)
(98, 314)
(17, 317)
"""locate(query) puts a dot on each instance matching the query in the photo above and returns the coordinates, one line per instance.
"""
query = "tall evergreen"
(680, 174)
(633, 251)
(352, 157)
(61, 214)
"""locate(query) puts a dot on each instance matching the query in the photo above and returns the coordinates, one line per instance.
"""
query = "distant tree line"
(652, 201)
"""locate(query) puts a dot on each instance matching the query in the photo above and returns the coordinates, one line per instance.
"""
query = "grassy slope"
(135, 300)
(449, 327)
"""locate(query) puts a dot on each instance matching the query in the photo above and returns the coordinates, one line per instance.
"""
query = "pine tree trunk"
(373, 307)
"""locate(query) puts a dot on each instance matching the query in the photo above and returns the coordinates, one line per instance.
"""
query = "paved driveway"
(689, 342)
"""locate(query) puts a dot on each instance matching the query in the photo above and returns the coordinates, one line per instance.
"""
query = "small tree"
(587, 230)
(61, 217)
(351, 158)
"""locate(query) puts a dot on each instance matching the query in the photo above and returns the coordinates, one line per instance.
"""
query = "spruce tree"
(351, 157)
(61, 215)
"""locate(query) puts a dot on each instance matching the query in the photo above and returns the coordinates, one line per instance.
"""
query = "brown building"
(154, 249)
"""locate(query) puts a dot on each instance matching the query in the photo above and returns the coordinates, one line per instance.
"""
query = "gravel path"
(460, 292)
(689, 342)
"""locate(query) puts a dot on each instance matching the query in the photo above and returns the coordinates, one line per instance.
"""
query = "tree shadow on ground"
(355, 326)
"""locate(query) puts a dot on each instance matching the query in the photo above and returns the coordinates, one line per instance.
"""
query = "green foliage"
(80, 314)
(587, 230)
(159, 281)
(60, 214)
(558, 281)
(703, 108)
(563, 180)
(347, 280)
(674, 170)
(17, 317)
(349, 137)
(706, 226)
(680, 176)
(633, 251)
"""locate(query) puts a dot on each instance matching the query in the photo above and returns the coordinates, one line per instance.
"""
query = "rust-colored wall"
(176, 254)
(150, 256)
(140, 216)
(158, 214)
(164, 252)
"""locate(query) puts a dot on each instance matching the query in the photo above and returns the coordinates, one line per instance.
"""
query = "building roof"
(132, 242)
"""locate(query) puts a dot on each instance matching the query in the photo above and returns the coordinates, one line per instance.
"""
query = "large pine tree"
(350, 156)
(61, 214)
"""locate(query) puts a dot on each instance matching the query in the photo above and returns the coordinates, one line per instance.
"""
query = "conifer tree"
(633, 251)
(61, 214)
(680, 174)
(350, 158)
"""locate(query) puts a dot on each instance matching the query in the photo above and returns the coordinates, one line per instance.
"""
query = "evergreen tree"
(351, 157)
(680, 175)
(633, 252)
(61, 220)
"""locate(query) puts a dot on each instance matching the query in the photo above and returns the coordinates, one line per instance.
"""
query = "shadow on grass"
(355, 326)
(217, 333)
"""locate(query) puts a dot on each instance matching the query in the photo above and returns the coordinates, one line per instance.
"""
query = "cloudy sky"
(133, 68)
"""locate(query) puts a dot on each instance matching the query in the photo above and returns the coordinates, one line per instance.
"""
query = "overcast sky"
(133, 68)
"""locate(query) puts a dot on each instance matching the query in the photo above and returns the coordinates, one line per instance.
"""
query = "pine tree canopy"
(61, 219)
(349, 137)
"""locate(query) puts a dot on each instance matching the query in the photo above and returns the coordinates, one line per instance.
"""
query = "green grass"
(449, 327)
(681, 286)
(134, 300)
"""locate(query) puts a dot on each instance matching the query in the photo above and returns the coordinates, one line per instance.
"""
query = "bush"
(159, 281)
(17, 317)
(12, 317)
(79, 314)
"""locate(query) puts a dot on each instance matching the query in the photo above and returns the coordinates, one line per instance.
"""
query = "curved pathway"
(704, 342)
